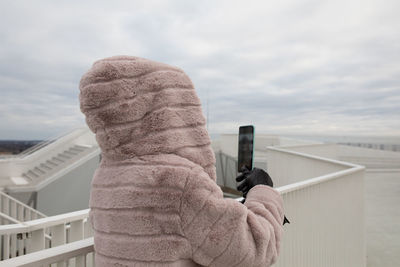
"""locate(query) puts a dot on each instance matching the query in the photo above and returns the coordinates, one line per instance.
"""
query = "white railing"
(78, 253)
(44, 143)
(327, 221)
(227, 170)
(41, 145)
(15, 166)
(323, 199)
(36, 235)
(14, 211)
(38, 146)
(326, 229)
(82, 159)
(288, 167)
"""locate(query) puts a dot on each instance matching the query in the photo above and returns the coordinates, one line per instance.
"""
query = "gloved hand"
(252, 178)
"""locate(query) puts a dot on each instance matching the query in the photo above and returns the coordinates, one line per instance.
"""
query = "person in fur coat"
(154, 200)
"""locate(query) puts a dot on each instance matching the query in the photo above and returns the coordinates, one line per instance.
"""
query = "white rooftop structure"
(341, 200)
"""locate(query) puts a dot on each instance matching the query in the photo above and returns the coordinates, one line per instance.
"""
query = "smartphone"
(246, 147)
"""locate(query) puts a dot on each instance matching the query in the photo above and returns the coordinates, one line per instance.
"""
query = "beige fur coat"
(154, 200)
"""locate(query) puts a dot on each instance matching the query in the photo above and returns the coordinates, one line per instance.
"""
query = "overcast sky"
(292, 67)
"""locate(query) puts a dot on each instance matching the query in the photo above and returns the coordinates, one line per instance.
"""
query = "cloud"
(287, 67)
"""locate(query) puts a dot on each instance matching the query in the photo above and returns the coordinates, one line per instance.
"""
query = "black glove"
(252, 178)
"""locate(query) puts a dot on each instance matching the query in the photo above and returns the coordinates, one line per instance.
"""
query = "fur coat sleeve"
(224, 232)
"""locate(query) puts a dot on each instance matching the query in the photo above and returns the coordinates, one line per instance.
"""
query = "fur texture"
(154, 200)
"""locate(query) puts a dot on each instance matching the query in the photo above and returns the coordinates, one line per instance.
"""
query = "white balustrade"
(327, 221)
(56, 256)
(288, 167)
(15, 166)
(31, 236)
(326, 210)
(323, 199)
(17, 209)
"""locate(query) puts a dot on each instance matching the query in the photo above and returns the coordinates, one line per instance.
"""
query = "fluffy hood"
(137, 107)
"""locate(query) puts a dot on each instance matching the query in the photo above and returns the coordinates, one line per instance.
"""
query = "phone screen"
(246, 143)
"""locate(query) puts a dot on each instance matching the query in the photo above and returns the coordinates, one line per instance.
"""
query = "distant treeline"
(16, 146)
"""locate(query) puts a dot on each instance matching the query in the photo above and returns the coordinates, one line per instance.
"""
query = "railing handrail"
(52, 255)
(82, 247)
(305, 155)
(76, 215)
(319, 179)
(45, 142)
(59, 141)
(39, 145)
(41, 223)
(81, 214)
(22, 204)
(9, 218)
(37, 187)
